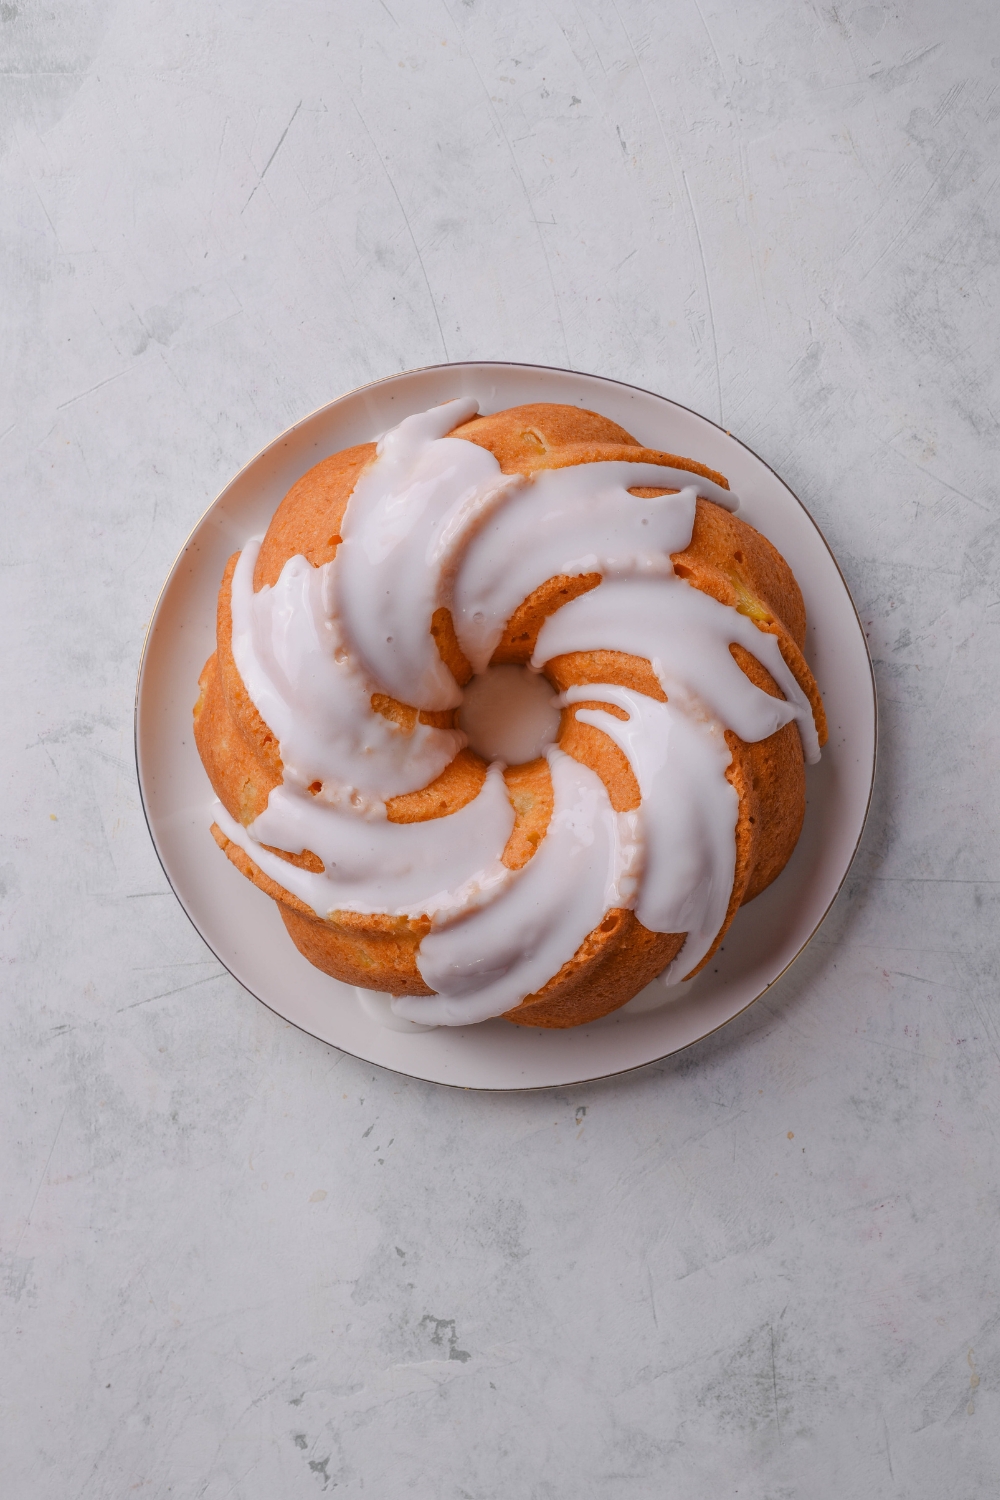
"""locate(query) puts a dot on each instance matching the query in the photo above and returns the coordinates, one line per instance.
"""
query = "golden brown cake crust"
(726, 558)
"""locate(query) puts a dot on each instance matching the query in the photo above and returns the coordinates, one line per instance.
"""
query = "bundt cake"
(508, 714)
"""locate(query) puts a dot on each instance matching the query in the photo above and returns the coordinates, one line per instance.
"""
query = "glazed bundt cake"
(508, 714)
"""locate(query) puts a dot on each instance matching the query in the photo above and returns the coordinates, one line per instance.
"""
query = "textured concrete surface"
(236, 1263)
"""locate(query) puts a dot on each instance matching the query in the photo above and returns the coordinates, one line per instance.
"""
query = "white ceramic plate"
(242, 926)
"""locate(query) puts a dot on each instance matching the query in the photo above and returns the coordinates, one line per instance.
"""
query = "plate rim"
(559, 370)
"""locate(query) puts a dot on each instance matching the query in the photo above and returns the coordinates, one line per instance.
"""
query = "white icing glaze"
(688, 813)
(293, 656)
(686, 636)
(484, 963)
(432, 868)
(570, 521)
(509, 714)
(400, 529)
(432, 522)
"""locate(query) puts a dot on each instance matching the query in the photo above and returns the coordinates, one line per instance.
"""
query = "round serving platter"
(242, 926)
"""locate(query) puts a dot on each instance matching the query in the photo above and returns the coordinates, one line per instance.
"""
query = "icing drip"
(292, 654)
(378, 1005)
(486, 962)
(407, 512)
(579, 520)
(686, 636)
(687, 816)
(433, 523)
(371, 865)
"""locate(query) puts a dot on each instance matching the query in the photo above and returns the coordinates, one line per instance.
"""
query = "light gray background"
(236, 1263)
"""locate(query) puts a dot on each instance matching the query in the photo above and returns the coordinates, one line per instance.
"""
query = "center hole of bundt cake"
(509, 714)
